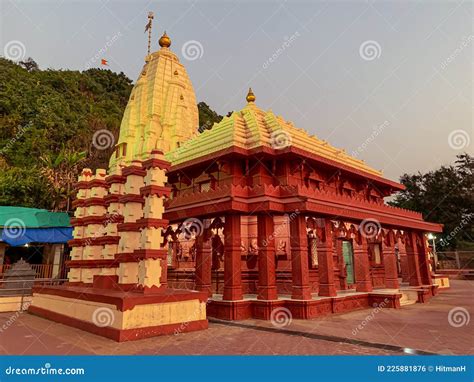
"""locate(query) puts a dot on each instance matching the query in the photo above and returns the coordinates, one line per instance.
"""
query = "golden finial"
(250, 96)
(165, 41)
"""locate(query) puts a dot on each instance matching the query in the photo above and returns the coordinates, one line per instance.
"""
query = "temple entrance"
(348, 256)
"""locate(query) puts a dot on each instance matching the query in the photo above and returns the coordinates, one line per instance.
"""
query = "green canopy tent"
(21, 225)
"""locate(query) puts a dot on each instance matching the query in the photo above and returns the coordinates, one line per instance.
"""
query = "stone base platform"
(250, 307)
(119, 315)
(441, 280)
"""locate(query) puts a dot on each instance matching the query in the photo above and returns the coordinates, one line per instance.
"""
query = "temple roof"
(253, 127)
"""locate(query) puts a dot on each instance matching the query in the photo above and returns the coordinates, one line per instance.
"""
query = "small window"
(204, 186)
(376, 255)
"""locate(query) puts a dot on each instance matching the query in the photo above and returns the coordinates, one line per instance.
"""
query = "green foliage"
(26, 185)
(44, 111)
(47, 120)
(444, 196)
(207, 117)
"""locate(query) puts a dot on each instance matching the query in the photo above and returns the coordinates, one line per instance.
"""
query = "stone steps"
(408, 297)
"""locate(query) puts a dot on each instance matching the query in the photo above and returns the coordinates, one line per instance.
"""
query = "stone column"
(390, 261)
(299, 259)
(266, 258)
(95, 232)
(129, 230)
(116, 182)
(361, 264)
(402, 254)
(327, 286)
(204, 260)
(77, 243)
(412, 260)
(232, 261)
(152, 256)
(88, 227)
(425, 270)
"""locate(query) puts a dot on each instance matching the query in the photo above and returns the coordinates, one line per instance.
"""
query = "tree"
(207, 117)
(61, 171)
(444, 196)
(29, 64)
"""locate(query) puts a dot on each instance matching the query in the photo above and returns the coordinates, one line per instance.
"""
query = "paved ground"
(422, 327)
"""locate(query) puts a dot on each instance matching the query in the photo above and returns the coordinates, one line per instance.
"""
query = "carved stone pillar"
(204, 260)
(412, 259)
(129, 230)
(390, 260)
(301, 289)
(266, 258)
(362, 265)
(232, 261)
(402, 254)
(425, 270)
(327, 286)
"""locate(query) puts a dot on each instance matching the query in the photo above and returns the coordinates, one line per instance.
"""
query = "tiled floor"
(423, 327)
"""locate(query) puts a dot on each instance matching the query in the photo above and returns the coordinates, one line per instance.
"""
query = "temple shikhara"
(247, 217)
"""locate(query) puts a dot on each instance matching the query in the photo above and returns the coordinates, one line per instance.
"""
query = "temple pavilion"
(249, 216)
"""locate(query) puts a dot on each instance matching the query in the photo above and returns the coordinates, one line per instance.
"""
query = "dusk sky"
(391, 82)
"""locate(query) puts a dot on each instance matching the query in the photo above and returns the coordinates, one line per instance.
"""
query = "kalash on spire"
(162, 110)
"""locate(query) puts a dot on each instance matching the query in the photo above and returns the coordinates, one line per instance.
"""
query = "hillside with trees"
(47, 121)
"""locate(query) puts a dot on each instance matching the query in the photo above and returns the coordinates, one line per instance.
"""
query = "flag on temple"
(104, 62)
(147, 26)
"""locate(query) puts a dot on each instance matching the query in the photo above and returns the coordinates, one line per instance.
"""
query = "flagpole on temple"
(148, 28)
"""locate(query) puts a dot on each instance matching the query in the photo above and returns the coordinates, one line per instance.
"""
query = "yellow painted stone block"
(128, 273)
(149, 272)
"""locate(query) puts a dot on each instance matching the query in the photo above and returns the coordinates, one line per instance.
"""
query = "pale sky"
(391, 81)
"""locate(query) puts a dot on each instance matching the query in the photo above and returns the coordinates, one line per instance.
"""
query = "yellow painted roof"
(253, 127)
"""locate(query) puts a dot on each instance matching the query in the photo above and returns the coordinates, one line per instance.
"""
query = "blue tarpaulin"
(23, 236)
(22, 225)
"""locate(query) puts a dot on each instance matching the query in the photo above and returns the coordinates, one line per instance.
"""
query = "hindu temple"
(248, 216)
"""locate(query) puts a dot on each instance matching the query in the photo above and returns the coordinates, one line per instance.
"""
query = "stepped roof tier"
(161, 112)
(253, 128)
